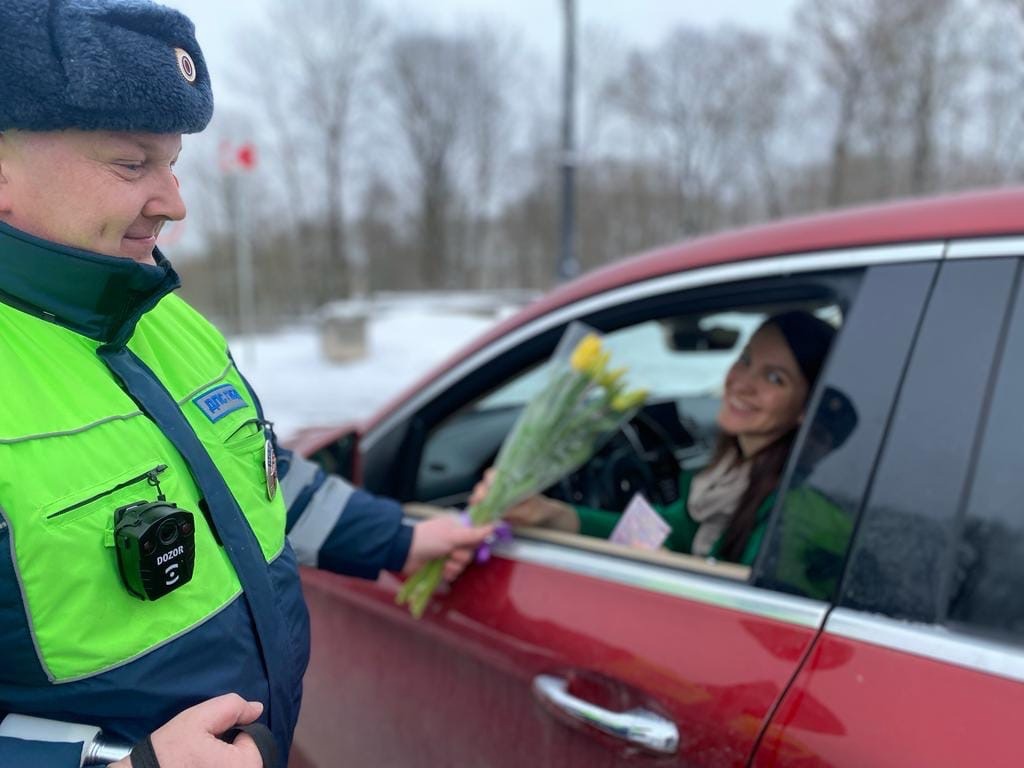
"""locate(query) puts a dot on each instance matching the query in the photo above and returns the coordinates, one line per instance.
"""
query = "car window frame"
(951, 642)
(890, 480)
(882, 286)
(808, 286)
(847, 264)
(1009, 344)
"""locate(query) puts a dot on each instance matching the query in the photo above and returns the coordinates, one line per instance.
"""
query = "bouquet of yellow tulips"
(583, 403)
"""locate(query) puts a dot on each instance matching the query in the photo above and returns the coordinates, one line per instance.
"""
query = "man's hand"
(442, 536)
(190, 739)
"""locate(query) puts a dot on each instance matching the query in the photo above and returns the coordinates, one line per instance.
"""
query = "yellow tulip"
(611, 378)
(586, 354)
(627, 400)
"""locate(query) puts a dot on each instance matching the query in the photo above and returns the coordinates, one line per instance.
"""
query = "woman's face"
(764, 394)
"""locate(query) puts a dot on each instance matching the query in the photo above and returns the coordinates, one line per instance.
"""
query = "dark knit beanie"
(119, 65)
(808, 338)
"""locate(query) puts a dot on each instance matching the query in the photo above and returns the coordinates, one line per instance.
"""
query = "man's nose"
(165, 201)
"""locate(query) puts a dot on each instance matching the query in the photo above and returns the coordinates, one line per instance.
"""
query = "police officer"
(147, 585)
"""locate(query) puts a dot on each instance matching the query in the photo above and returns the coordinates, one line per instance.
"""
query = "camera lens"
(167, 532)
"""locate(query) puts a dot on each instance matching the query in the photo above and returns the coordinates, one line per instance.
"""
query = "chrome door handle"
(636, 726)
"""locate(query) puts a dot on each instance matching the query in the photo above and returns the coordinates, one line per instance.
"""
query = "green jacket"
(813, 536)
(600, 523)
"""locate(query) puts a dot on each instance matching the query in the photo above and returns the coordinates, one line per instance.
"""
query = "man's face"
(96, 190)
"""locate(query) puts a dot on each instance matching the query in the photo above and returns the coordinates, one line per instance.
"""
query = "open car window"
(682, 359)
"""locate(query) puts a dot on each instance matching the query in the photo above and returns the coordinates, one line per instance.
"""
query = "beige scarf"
(715, 492)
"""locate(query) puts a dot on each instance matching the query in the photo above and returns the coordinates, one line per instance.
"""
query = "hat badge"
(186, 66)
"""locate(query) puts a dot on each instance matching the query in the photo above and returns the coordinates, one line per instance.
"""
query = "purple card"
(640, 526)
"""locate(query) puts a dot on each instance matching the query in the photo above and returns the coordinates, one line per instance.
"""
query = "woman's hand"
(538, 511)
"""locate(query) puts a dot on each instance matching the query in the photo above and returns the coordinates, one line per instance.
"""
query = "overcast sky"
(540, 21)
(634, 22)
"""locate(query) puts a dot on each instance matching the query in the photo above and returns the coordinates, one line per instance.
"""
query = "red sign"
(235, 158)
(246, 157)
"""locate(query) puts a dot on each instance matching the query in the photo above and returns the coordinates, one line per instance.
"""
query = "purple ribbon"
(502, 532)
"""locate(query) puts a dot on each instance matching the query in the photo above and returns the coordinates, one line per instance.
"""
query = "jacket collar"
(101, 297)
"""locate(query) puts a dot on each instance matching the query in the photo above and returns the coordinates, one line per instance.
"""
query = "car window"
(987, 578)
(805, 552)
(682, 358)
(908, 541)
(684, 386)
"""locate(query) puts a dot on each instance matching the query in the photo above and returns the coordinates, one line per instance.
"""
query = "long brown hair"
(765, 473)
(809, 339)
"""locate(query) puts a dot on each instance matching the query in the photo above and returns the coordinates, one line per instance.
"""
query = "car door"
(570, 652)
(922, 662)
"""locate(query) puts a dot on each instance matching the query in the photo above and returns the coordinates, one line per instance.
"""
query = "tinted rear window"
(907, 544)
(987, 580)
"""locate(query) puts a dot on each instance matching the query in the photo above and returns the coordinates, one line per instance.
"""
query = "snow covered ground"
(406, 337)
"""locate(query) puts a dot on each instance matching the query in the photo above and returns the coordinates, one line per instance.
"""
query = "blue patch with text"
(219, 402)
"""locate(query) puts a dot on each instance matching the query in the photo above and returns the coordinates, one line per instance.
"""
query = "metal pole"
(568, 264)
(244, 269)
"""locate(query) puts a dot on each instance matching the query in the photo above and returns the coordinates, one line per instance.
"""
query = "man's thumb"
(223, 712)
(473, 535)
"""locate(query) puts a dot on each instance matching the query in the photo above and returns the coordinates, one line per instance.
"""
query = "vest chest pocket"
(245, 457)
(82, 616)
(143, 483)
(80, 526)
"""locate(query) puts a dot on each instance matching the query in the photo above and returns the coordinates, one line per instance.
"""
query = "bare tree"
(454, 119)
(493, 76)
(424, 80)
(994, 150)
(894, 70)
(305, 68)
(939, 67)
(454, 184)
(836, 32)
(704, 108)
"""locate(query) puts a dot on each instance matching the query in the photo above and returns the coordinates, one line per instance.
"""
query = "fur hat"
(119, 65)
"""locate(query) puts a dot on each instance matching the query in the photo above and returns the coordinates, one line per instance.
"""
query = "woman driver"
(722, 509)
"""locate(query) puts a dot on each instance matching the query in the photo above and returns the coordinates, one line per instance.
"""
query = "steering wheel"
(639, 457)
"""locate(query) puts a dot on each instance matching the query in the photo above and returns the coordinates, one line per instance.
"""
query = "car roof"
(988, 213)
(968, 215)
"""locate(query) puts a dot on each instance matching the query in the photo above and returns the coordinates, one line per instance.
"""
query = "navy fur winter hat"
(118, 65)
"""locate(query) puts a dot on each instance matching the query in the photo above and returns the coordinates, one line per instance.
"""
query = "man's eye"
(130, 167)
(776, 378)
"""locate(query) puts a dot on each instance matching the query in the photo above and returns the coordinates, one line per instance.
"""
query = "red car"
(887, 632)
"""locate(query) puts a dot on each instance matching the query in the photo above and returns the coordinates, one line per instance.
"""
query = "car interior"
(680, 358)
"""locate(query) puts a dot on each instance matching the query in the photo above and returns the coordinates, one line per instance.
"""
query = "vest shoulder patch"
(220, 401)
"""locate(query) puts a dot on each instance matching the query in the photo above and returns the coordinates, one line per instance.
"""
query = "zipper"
(150, 476)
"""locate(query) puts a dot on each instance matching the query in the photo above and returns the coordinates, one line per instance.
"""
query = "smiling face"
(765, 392)
(96, 190)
